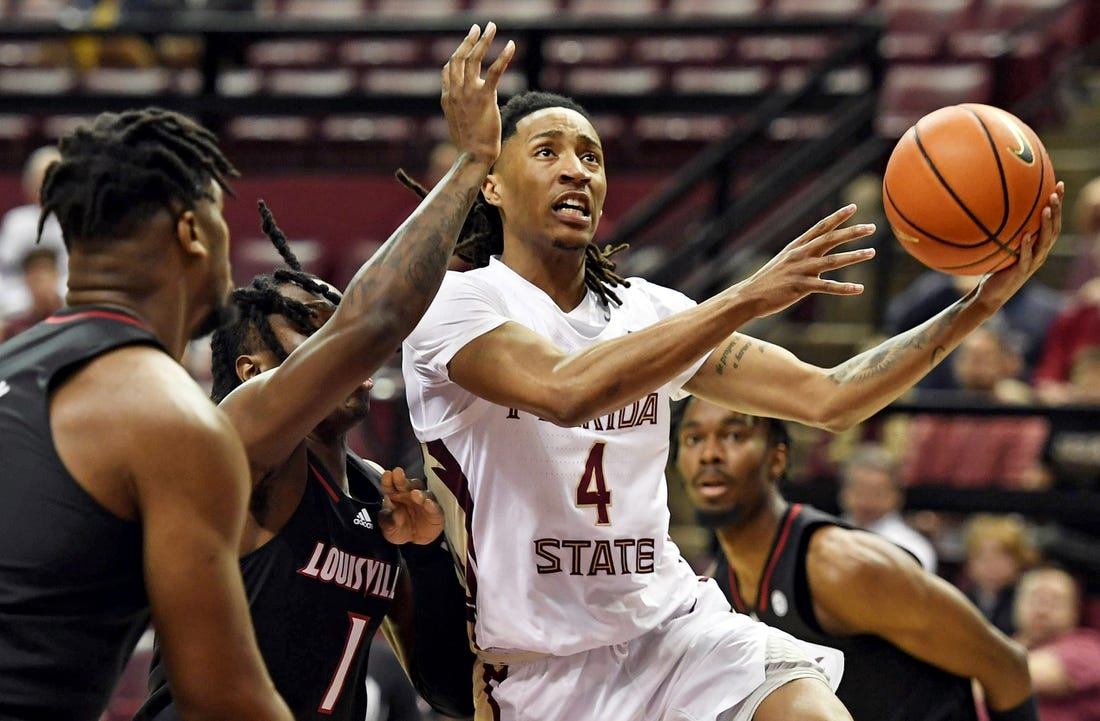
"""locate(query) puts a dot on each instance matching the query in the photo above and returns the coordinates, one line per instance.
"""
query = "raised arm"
(389, 294)
(864, 584)
(744, 373)
(515, 367)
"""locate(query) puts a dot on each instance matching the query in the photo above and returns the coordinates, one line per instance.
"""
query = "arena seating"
(934, 52)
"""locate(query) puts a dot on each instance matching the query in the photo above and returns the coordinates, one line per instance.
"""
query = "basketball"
(964, 186)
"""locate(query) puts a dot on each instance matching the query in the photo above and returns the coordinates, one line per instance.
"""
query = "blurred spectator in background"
(1063, 657)
(979, 451)
(1074, 329)
(1072, 454)
(998, 550)
(1086, 218)
(19, 233)
(1029, 313)
(40, 276)
(871, 498)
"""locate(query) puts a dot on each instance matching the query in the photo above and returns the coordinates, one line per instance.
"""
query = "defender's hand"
(470, 102)
(409, 511)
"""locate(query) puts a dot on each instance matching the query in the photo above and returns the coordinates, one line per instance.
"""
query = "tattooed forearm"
(878, 361)
(724, 359)
(408, 268)
(424, 271)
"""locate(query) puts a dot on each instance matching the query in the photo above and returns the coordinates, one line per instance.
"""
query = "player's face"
(549, 180)
(211, 223)
(357, 405)
(725, 460)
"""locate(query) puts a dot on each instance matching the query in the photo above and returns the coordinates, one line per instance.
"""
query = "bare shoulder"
(128, 414)
(841, 561)
(146, 391)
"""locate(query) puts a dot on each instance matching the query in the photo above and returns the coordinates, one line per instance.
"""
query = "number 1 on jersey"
(592, 489)
(358, 628)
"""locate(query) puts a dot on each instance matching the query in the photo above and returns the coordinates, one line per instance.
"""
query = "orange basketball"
(964, 186)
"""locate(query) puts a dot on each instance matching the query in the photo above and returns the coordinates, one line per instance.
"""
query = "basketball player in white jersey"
(539, 387)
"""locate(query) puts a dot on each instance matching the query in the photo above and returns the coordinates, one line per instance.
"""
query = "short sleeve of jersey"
(462, 311)
(666, 302)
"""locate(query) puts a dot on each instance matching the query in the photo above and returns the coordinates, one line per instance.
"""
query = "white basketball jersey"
(561, 534)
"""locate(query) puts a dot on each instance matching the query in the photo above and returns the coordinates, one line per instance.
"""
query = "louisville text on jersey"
(356, 573)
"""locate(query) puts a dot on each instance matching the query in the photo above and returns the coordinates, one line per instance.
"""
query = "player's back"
(72, 591)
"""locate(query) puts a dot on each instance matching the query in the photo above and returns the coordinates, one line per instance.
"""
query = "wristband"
(1027, 710)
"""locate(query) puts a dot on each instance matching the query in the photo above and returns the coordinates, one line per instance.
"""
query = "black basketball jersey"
(880, 682)
(317, 593)
(72, 588)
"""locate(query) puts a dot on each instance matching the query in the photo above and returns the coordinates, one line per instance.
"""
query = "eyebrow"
(558, 133)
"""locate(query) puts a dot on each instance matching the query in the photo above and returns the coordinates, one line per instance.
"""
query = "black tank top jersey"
(72, 587)
(317, 593)
(880, 682)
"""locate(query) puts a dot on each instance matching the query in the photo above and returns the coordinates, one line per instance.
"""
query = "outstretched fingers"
(825, 225)
(471, 65)
(496, 70)
(452, 73)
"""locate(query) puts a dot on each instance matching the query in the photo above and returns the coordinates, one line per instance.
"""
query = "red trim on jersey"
(108, 314)
(325, 484)
(738, 602)
(762, 601)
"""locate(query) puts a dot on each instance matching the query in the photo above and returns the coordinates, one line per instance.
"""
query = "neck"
(333, 456)
(746, 545)
(122, 276)
(555, 269)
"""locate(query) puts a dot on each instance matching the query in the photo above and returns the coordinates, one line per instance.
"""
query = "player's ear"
(249, 366)
(187, 234)
(778, 464)
(491, 189)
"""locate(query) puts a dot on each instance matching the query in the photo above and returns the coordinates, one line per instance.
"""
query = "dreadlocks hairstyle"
(117, 171)
(482, 235)
(251, 331)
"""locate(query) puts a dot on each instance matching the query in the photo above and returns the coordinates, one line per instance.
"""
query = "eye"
(591, 157)
(544, 152)
(689, 441)
(738, 436)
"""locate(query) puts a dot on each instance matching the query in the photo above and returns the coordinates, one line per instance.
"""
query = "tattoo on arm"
(724, 359)
(878, 361)
(416, 256)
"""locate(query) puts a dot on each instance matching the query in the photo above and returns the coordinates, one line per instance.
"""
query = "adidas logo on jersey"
(363, 519)
(4, 388)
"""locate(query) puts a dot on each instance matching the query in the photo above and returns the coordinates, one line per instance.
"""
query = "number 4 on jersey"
(592, 489)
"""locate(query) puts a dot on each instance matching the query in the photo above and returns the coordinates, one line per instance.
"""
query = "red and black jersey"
(881, 682)
(72, 586)
(317, 593)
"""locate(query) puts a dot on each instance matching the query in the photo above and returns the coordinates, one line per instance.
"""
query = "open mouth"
(575, 208)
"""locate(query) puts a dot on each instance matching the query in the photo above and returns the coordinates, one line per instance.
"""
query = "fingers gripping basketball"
(964, 186)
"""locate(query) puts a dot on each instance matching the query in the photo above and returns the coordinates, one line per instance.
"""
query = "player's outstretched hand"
(470, 101)
(795, 272)
(998, 287)
(409, 511)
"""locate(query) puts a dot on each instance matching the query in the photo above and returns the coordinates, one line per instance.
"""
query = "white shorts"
(701, 662)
